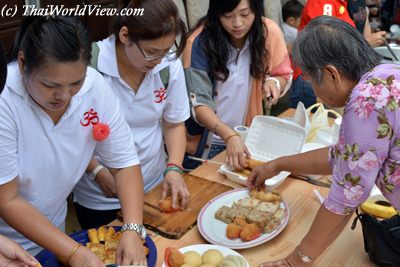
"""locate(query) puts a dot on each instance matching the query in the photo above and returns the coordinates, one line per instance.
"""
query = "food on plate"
(252, 216)
(101, 233)
(166, 205)
(265, 195)
(209, 258)
(232, 261)
(173, 257)
(212, 257)
(193, 258)
(250, 232)
(104, 242)
(233, 231)
(377, 209)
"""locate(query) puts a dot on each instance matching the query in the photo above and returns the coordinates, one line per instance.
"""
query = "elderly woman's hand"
(261, 173)
(236, 152)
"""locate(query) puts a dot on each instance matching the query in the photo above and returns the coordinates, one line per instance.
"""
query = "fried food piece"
(110, 256)
(233, 231)
(221, 214)
(93, 236)
(240, 220)
(117, 236)
(249, 232)
(248, 203)
(38, 265)
(166, 205)
(109, 234)
(101, 233)
(113, 244)
(146, 250)
(275, 221)
(252, 163)
(265, 196)
(174, 257)
(243, 172)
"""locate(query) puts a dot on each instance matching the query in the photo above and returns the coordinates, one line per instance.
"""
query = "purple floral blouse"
(368, 150)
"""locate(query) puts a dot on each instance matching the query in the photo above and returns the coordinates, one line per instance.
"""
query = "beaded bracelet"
(172, 168)
(72, 252)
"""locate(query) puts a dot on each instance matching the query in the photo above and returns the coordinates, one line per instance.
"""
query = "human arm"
(374, 39)
(313, 162)
(12, 254)
(129, 183)
(175, 141)
(103, 178)
(236, 150)
(23, 217)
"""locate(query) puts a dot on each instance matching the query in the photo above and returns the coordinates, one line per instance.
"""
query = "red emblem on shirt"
(160, 95)
(90, 117)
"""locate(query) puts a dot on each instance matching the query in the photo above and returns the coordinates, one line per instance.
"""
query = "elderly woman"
(344, 71)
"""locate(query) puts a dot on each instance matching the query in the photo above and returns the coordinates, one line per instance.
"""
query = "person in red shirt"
(302, 90)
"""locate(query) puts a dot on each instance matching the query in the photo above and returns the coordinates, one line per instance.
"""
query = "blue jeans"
(302, 91)
(215, 150)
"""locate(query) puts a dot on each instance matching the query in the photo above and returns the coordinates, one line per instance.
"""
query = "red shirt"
(316, 8)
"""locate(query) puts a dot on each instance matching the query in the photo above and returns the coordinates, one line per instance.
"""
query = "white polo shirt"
(50, 159)
(144, 112)
(235, 91)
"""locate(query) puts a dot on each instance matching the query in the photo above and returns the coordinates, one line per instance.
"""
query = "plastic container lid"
(269, 138)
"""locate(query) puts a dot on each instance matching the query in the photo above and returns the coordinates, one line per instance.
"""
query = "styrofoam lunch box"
(269, 138)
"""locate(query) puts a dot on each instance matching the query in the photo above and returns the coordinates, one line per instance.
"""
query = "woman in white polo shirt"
(148, 79)
(55, 112)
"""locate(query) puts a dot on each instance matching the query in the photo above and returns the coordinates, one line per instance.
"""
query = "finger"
(185, 198)
(250, 180)
(164, 192)
(26, 258)
(175, 204)
(236, 163)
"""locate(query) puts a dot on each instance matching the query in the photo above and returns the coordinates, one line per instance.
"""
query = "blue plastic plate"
(48, 259)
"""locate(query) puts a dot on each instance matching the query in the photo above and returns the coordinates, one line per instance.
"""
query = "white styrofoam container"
(269, 138)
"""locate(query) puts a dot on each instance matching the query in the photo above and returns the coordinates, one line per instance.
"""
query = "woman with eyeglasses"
(149, 82)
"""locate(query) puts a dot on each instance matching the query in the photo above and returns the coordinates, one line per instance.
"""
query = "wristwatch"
(304, 258)
(93, 174)
(138, 228)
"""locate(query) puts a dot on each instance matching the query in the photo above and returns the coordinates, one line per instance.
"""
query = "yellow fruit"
(378, 210)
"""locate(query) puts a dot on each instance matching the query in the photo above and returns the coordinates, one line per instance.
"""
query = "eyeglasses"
(155, 57)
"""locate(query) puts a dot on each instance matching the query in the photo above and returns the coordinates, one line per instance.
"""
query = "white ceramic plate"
(204, 247)
(214, 231)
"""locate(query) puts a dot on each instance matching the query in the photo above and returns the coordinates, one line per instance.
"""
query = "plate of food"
(103, 241)
(240, 218)
(203, 255)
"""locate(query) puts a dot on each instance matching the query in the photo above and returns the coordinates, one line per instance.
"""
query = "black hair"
(330, 41)
(44, 39)
(292, 8)
(3, 69)
(158, 19)
(216, 40)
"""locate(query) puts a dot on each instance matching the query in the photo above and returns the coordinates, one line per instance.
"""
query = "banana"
(378, 210)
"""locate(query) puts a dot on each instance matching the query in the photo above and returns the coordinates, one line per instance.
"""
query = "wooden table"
(347, 250)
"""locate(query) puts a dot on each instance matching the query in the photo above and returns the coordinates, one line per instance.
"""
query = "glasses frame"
(154, 57)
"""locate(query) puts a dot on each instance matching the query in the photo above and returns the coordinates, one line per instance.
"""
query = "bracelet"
(278, 84)
(172, 168)
(232, 135)
(72, 252)
(170, 164)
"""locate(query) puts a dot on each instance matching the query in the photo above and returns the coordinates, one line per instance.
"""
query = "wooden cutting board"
(176, 224)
